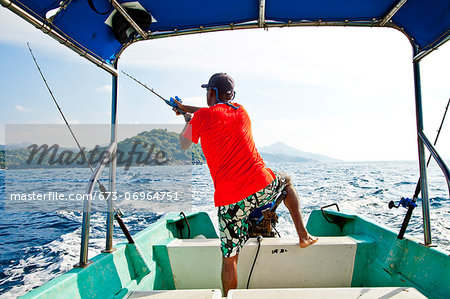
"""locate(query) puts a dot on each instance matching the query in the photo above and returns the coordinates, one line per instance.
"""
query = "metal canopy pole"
(421, 148)
(127, 17)
(392, 12)
(66, 41)
(424, 53)
(262, 13)
(112, 167)
(87, 197)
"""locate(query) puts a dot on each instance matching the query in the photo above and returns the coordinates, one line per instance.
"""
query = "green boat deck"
(354, 256)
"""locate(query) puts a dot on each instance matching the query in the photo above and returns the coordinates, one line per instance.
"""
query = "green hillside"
(2, 159)
(148, 148)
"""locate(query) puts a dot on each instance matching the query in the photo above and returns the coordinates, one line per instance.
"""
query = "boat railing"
(107, 154)
(423, 141)
(437, 158)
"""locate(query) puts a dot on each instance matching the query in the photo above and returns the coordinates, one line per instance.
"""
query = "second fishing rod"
(117, 213)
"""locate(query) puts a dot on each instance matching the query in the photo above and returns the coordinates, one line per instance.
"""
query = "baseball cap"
(222, 81)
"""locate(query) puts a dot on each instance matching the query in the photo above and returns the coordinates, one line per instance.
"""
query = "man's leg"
(229, 273)
(233, 233)
(292, 202)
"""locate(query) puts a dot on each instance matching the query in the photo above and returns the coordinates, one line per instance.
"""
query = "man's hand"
(177, 101)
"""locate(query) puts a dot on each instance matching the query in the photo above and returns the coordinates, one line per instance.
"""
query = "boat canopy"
(82, 26)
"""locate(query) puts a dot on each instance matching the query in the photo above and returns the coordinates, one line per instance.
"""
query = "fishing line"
(170, 103)
(195, 152)
(102, 188)
(117, 214)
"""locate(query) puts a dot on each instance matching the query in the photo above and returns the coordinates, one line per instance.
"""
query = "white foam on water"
(54, 258)
(365, 188)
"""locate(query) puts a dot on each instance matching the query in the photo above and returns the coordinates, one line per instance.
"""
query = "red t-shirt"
(236, 168)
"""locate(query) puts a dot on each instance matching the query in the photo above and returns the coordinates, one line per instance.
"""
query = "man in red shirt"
(242, 183)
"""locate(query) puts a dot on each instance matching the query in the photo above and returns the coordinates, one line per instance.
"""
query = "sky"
(346, 93)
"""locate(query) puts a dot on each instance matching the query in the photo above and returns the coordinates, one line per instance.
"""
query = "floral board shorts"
(234, 218)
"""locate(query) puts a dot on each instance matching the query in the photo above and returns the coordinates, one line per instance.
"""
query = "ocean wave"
(39, 245)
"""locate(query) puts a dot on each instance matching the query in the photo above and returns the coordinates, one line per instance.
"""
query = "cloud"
(298, 55)
(321, 79)
(194, 101)
(105, 88)
(23, 31)
(356, 139)
(20, 108)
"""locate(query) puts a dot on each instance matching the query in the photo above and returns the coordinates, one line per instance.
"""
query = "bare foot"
(309, 240)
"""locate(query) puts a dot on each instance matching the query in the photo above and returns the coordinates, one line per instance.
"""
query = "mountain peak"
(281, 148)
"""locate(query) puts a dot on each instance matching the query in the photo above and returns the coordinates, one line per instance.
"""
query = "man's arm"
(184, 142)
(187, 108)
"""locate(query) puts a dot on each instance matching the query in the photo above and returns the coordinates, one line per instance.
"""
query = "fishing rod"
(411, 203)
(102, 188)
(118, 214)
(171, 103)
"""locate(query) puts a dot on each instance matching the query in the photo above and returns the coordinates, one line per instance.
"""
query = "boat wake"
(38, 246)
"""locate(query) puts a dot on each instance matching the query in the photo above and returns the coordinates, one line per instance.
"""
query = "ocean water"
(39, 244)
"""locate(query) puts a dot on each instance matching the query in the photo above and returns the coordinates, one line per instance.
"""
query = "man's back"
(227, 142)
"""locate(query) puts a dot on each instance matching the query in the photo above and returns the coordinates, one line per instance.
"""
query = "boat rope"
(325, 216)
(180, 226)
(102, 188)
(275, 229)
(259, 239)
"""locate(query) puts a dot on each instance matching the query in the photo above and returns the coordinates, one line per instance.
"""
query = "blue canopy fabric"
(87, 28)
(327, 10)
(428, 22)
(425, 22)
(39, 8)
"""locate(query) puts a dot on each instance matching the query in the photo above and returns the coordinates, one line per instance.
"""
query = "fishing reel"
(172, 102)
(404, 202)
(174, 105)
(262, 220)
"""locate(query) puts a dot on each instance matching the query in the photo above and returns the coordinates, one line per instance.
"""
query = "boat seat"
(281, 263)
(183, 294)
(335, 293)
